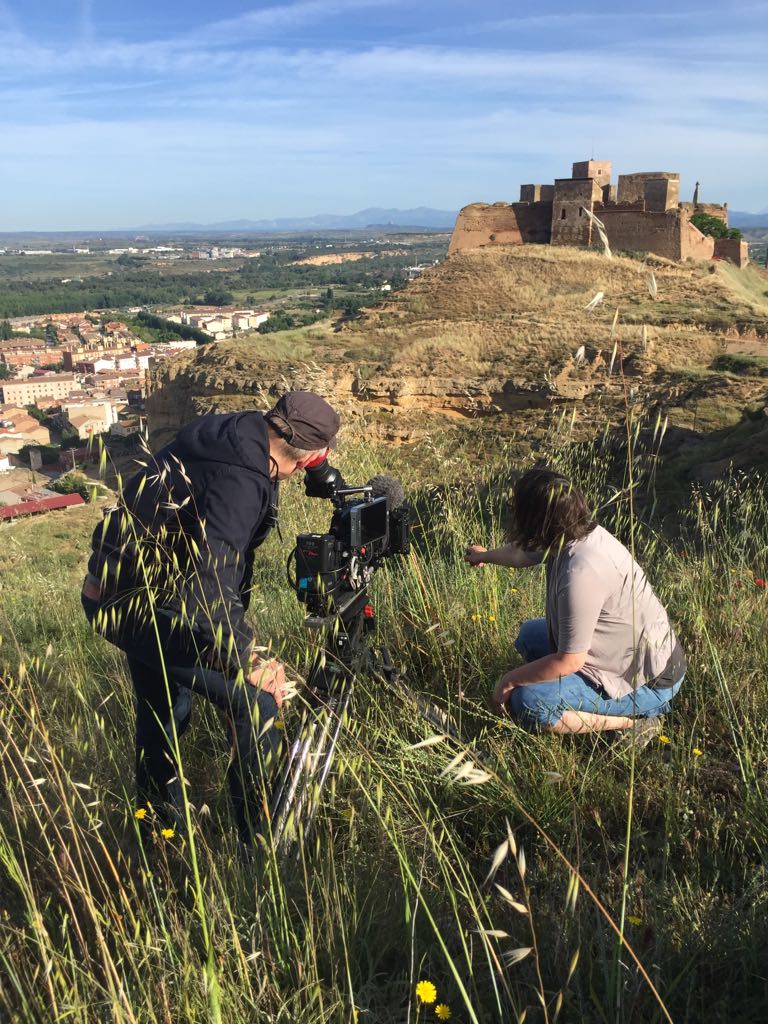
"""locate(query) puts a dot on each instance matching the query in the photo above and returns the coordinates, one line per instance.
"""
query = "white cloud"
(253, 24)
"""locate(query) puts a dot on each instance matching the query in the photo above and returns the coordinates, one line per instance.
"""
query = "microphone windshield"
(388, 487)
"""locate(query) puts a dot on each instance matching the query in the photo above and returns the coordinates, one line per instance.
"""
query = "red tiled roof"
(29, 508)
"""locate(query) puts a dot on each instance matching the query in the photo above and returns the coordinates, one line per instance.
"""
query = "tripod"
(346, 654)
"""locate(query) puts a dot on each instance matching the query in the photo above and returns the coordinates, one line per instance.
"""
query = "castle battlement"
(642, 212)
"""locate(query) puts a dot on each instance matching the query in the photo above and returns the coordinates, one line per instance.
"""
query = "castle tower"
(598, 170)
(574, 197)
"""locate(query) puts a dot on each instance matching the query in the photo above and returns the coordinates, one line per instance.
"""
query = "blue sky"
(115, 113)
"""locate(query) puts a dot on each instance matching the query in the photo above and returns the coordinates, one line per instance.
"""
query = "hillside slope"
(509, 334)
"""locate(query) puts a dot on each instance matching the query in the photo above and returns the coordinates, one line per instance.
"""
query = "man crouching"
(169, 583)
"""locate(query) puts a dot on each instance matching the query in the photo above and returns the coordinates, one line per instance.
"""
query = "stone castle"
(642, 213)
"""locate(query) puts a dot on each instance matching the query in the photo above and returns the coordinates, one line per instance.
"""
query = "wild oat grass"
(491, 867)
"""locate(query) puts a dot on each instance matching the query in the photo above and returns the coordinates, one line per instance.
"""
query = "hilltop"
(506, 335)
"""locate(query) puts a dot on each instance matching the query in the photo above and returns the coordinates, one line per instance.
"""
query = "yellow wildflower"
(426, 992)
(491, 618)
(141, 813)
(442, 1011)
(167, 833)
(514, 590)
(664, 739)
(475, 618)
(697, 752)
(279, 724)
(634, 920)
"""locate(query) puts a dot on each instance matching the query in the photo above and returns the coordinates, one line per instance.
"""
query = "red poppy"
(760, 583)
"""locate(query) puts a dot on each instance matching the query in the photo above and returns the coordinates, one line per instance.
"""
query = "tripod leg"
(295, 792)
(384, 667)
(294, 779)
(327, 763)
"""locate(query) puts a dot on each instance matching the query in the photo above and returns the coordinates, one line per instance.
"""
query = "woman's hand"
(474, 555)
(501, 692)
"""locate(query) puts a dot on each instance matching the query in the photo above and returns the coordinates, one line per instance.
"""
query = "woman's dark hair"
(547, 510)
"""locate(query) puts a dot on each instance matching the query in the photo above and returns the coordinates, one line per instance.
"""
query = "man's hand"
(268, 675)
(474, 555)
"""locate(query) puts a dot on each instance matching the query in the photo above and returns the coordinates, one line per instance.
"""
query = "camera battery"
(315, 555)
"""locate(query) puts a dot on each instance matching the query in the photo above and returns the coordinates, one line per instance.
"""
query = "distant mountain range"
(740, 219)
(374, 216)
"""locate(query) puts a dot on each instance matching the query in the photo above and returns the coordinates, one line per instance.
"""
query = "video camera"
(369, 523)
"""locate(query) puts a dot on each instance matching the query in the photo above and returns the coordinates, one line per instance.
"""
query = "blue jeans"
(543, 704)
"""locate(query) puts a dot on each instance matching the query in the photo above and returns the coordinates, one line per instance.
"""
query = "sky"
(118, 113)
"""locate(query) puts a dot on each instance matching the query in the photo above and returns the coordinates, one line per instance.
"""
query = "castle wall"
(501, 224)
(537, 193)
(718, 210)
(635, 229)
(735, 250)
(694, 244)
(632, 186)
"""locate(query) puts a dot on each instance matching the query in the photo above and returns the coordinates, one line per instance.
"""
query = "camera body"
(334, 568)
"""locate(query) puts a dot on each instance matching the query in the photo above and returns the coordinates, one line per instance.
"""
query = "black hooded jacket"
(184, 535)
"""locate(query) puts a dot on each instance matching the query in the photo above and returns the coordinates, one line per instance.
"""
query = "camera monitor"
(368, 523)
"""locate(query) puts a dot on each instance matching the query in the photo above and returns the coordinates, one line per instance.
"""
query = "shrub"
(745, 366)
(73, 483)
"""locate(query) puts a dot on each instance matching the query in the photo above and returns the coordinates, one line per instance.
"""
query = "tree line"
(128, 286)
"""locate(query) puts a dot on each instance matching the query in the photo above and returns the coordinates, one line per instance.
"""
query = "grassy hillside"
(393, 887)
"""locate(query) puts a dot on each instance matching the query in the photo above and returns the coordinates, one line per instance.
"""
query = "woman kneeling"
(605, 657)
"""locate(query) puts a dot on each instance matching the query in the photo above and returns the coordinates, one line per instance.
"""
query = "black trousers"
(165, 676)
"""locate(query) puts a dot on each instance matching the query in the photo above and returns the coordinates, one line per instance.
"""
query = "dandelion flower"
(167, 833)
(442, 1011)
(697, 751)
(426, 992)
(140, 813)
(664, 739)
(634, 920)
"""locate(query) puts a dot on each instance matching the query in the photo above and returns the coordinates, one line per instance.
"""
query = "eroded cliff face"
(503, 337)
(394, 405)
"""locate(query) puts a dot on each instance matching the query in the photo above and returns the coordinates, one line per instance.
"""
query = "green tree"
(218, 297)
(278, 321)
(6, 331)
(5, 372)
(36, 414)
(73, 483)
(713, 226)
(70, 438)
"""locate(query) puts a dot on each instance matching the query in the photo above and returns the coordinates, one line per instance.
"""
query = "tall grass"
(493, 866)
